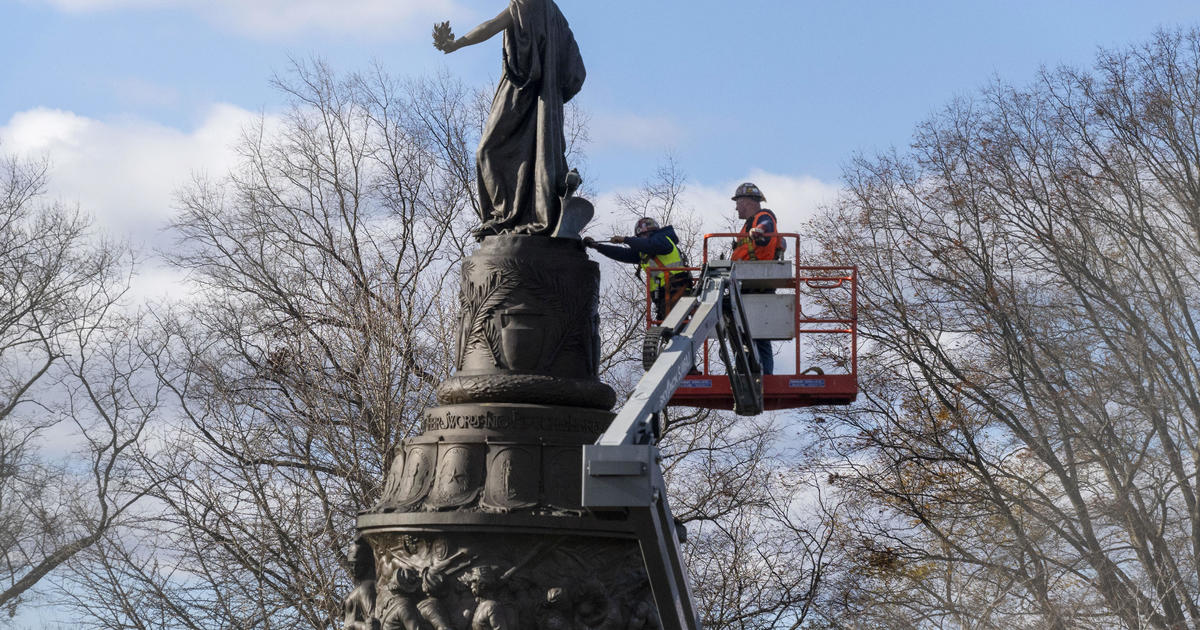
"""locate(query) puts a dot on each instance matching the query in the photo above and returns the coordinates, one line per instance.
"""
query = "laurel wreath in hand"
(442, 36)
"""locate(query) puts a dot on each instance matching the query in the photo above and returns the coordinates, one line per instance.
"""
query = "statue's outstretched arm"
(480, 33)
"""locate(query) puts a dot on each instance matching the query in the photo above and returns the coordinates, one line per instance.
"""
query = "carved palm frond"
(573, 305)
(481, 305)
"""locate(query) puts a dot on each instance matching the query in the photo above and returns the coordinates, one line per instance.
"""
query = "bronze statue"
(359, 607)
(555, 611)
(481, 513)
(398, 608)
(436, 584)
(490, 612)
(521, 163)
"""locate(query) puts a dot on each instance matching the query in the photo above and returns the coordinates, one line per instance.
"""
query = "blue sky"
(145, 91)
(128, 98)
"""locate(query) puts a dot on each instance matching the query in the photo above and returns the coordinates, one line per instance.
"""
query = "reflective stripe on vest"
(746, 249)
(658, 279)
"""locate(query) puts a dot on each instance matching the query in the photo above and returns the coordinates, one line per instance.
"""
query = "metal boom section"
(622, 470)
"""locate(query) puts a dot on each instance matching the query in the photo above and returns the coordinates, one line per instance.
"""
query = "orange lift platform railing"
(733, 305)
(778, 297)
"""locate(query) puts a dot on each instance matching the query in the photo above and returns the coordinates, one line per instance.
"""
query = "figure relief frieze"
(359, 607)
(459, 582)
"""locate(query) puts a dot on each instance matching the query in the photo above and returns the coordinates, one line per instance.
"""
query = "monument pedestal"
(480, 524)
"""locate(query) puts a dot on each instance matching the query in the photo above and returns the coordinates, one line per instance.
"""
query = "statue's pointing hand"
(445, 41)
(443, 38)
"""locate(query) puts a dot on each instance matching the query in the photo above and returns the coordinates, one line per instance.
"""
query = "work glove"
(589, 241)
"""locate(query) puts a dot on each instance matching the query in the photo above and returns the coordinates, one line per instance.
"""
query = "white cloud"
(126, 173)
(794, 198)
(273, 18)
(35, 131)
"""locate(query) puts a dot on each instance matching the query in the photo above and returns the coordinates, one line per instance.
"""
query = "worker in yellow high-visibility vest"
(652, 247)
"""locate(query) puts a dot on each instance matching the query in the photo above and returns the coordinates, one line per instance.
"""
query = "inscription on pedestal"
(528, 419)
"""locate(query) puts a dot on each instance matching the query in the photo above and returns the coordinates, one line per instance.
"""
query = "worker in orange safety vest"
(759, 240)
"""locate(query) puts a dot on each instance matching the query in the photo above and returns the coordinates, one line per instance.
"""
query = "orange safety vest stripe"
(747, 249)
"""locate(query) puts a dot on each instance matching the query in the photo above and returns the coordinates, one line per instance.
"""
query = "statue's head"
(361, 559)
(482, 579)
(556, 597)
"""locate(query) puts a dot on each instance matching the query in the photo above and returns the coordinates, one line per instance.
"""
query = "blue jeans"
(766, 357)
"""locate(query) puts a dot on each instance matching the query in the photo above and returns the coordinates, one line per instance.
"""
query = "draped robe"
(521, 162)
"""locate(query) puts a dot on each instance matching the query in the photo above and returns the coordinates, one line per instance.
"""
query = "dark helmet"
(644, 225)
(748, 190)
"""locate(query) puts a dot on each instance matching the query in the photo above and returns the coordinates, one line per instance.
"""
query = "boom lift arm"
(622, 470)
